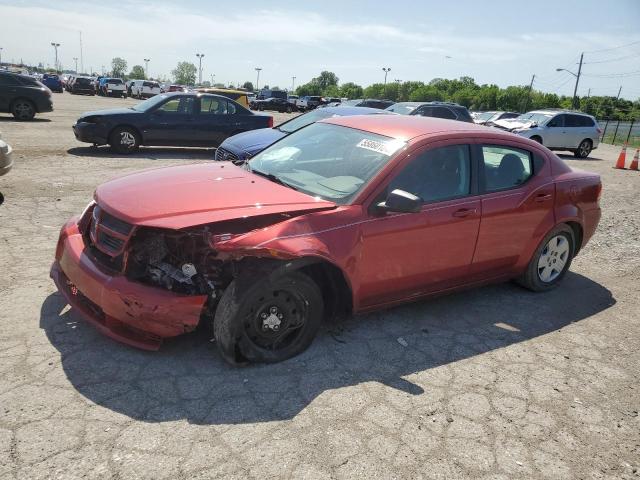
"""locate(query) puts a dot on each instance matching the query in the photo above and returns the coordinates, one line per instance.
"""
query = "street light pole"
(293, 84)
(146, 66)
(200, 55)
(75, 59)
(55, 46)
(386, 71)
(0, 56)
(258, 78)
(574, 102)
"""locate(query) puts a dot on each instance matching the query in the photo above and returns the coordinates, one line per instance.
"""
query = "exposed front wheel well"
(336, 292)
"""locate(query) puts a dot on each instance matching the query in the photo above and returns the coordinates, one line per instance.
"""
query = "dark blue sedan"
(171, 119)
(243, 146)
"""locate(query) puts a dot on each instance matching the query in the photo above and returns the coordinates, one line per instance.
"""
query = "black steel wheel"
(23, 109)
(270, 321)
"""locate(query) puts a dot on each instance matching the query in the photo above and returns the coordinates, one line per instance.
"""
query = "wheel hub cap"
(127, 138)
(553, 259)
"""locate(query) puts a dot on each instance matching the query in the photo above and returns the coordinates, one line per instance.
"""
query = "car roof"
(406, 127)
(558, 111)
(349, 110)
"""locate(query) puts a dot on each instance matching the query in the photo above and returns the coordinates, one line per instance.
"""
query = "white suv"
(557, 130)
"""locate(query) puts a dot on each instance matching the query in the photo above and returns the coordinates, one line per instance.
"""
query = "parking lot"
(496, 382)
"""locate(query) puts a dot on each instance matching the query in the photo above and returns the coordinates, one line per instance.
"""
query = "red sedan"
(348, 214)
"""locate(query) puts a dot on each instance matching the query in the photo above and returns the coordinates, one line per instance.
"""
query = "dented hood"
(190, 195)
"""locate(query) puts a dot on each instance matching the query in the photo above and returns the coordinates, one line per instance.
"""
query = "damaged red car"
(350, 214)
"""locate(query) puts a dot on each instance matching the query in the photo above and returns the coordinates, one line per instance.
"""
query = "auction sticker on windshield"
(386, 148)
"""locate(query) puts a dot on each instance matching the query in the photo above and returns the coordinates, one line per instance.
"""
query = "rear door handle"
(543, 197)
(464, 212)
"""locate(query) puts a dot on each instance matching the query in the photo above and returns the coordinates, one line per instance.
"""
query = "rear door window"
(213, 106)
(505, 167)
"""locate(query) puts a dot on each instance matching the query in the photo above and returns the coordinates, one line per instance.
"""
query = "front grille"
(224, 155)
(108, 233)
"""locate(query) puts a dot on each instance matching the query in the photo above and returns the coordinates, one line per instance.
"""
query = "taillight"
(270, 122)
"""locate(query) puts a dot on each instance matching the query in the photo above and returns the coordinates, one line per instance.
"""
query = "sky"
(497, 42)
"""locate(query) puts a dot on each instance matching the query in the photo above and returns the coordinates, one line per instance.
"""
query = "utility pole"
(0, 55)
(146, 66)
(81, 60)
(575, 89)
(212, 75)
(293, 84)
(619, 92)
(55, 46)
(386, 71)
(200, 55)
(526, 102)
(75, 59)
(589, 93)
(258, 78)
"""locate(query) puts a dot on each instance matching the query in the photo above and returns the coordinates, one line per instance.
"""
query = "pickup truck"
(308, 103)
(112, 87)
(144, 89)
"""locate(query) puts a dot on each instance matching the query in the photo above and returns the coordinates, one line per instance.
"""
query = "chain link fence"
(617, 132)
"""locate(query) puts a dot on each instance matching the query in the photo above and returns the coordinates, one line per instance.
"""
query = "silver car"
(557, 130)
(5, 158)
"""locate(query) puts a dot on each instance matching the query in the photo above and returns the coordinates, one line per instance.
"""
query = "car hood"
(253, 141)
(512, 124)
(111, 111)
(190, 195)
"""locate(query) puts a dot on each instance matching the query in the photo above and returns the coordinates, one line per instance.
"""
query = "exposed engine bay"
(182, 262)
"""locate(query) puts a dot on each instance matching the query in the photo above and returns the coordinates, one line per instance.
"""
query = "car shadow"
(590, 158)
(153, 153)
(187, 378)
(33, 120)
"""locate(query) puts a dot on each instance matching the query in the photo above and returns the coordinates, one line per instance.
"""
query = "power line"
(613, 48)
(614, 75)
(614, 59)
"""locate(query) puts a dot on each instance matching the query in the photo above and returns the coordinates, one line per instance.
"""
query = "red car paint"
(385, 259)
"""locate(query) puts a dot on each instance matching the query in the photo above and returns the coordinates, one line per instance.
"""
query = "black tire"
(289, 109)
(261, 108)
(124, 140)
(23, 109)
(536, 138)
(584, 149)
(532, 277)
(239, 324)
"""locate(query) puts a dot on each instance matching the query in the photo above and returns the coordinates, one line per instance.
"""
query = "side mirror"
(400, 201)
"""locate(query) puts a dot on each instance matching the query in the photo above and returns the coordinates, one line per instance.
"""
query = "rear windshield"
(83, 81)
(150, 84)
(115, 81)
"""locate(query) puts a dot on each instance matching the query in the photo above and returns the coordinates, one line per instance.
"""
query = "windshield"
(149, 103)
(485, 116)
(326, 161)
(307, 119)
(533, 117)
(401, 108)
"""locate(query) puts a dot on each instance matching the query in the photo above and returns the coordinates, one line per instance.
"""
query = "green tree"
(118, 67)
(248, 86)
(327, 79)
(185, 73)
(351, 90)
(137, 73)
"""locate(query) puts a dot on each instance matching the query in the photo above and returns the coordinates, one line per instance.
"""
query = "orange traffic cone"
(622, 158)
(634, 162)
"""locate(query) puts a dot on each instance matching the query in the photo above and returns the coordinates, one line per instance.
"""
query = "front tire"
(124, 140)
(551, 260)
(584, 149)
(23, 110)
(537, 139)
(269, 321)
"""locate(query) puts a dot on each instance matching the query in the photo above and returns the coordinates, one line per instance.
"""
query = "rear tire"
(124, 140)
(551, 260)
(23, 109)
(269, 321)
(584, 149)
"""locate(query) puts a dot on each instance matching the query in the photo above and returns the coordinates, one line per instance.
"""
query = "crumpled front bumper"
(129, 312)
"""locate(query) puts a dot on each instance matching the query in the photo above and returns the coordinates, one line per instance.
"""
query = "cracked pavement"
(495, 382)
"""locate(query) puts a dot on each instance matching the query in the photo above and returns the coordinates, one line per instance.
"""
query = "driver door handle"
(464, 212)
(542, 197)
